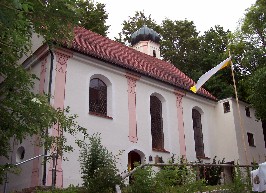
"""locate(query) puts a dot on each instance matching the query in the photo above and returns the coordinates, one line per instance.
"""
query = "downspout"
(49, 100)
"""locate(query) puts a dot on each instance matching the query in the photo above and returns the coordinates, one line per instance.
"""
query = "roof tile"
(95, 45)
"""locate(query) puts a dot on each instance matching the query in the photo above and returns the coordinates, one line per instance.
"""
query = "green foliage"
(93, 16)
(133, 24)
(142, 181)
(248, 45)
(241, 181)
(24, 113)
(211, 174)
(254, 24)
(212, 51)
(178, 178)
(257, 89)
(70, 189)
(180, 44)
(174, 175)
(169, 179)
(98, 167)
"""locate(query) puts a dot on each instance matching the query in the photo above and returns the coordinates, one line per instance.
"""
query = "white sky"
(204, 13)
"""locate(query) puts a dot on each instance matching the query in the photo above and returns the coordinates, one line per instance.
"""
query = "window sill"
(252, 145)
(160, 150)
(100, 115)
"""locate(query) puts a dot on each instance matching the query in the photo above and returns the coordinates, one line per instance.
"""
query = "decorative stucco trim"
(131, 81)
(59, 98)
(35, 181)
(180, 118)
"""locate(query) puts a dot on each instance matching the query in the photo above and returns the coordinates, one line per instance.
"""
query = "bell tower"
(146, 40)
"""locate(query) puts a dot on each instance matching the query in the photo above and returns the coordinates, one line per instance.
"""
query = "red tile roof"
(95, 45)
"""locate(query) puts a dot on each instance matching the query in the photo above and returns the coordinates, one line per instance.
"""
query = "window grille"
(198, 136)
(98, 96)
(156, 123)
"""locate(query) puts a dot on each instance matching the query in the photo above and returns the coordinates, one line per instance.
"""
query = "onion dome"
(144, 34)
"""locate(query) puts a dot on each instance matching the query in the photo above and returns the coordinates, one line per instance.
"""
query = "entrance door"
(133, 157)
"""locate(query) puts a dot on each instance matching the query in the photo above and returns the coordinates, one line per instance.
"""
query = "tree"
(180, 44)
(24, 113)
(254, 24)
(213, 47)
(212, 51)
(257, 91)
(93, 16)
(133, 24)
(249, 48)
(248, 43)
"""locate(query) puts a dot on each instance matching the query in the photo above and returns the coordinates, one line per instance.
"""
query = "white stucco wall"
(115, 132)
(224, 137)
(147, 47)
(228, 135)
(250, 124)
(145, 88)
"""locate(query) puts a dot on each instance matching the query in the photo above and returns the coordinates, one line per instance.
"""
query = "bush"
(70, 189)
(211, 174)
(241, 182)
(180, 178)
(170, 179)
(142, 181)
(98, 167)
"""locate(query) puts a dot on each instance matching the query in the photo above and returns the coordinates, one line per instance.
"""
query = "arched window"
(98, 96)
(20, 154)
(156, 123)
(198, 136)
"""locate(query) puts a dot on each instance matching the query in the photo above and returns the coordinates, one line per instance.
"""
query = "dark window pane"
(198, 136)
(247, 111)
(98, 96)
(156, 123)
(251, 139)
(226, 107)
(154, 53)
